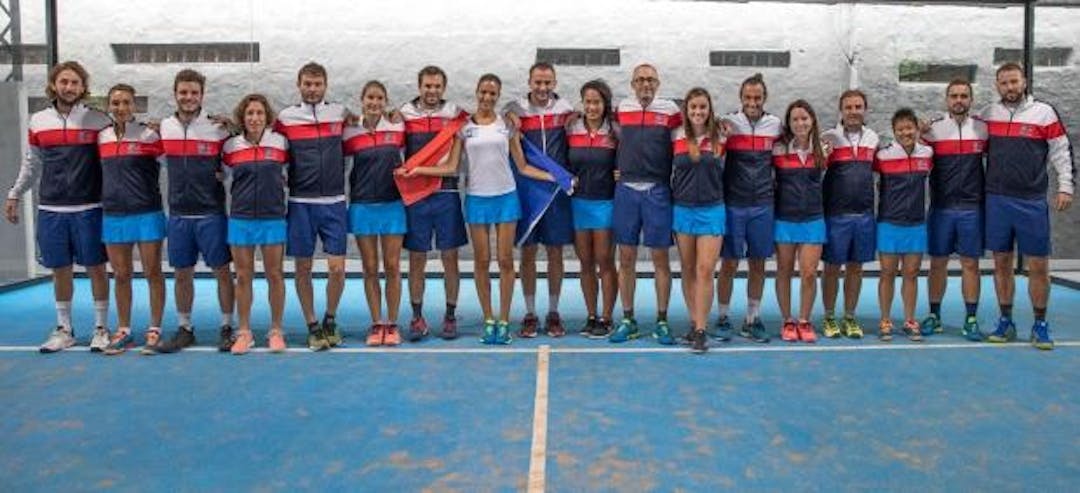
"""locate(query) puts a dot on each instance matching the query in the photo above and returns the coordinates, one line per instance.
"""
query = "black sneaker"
(184, 337)
(601, 329)
(698, 341)
(586, 329)
(226, 338)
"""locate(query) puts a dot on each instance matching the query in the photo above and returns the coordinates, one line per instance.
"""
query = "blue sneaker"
(931, 325)
(722, 331)
(1040, 335)
(755, 331)
(488, 336)
(970, 330)
(502, 334)
(626, 331)
(1005, 331)
(662, 333)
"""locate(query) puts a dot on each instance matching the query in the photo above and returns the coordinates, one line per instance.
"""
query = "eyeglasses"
(646, 80)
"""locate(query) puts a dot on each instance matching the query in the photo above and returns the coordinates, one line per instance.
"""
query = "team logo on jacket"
(388, 138)
(979, 146)
(203, 148)
(1026, 130)
(335, 128)
(132, 148)
(660, 119)
(86, 136)
(268, 153)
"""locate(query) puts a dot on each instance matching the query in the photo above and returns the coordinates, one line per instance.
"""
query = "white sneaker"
(59, 340)
(100, 341)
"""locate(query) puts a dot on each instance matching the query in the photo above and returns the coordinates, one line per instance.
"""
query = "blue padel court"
(570, 414)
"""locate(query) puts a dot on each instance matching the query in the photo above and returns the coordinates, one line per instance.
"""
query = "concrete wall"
(13, 248)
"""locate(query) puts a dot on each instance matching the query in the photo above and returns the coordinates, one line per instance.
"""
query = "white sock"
(101, 313)
(724, 310)
(530, 304)
(184, 319)
(63, 314)
(553, 302)
(753, 310)
(226, 318)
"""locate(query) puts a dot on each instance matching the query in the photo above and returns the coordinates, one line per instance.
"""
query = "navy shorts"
(749, 232)
(955, 231)
(70, 237)
(438, 216)
(850, 238)
(1025, 221)
(643, 216)
(189, 237)
(556, 226)
(309, 222)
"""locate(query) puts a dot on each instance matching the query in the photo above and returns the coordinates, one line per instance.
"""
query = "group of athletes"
(646, 170)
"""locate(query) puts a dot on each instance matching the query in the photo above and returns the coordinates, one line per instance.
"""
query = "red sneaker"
(789, 332)
(806, 332)
(375, 335)
(530, 325)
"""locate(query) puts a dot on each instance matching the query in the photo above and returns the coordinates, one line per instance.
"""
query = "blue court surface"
(561, 415)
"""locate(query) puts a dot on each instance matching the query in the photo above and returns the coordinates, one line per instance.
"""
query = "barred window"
(579, 56)
(186, 53)
(32, 54)
(917, 71)
(728, 58)
(1048, 56)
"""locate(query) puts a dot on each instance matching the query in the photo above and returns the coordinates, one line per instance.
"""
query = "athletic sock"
(226, 319)
(661, 316)
(1006, 311)
(1040, 314)
(753, 309)
(184, 319)
(101, 313)
(628, 314)
(935, 309)
(530, 304)
(63, 314)
(553, 302)
(971, 308)
(418, 308)
(450, 308)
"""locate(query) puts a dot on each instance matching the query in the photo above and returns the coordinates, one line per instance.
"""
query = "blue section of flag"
(535, 195)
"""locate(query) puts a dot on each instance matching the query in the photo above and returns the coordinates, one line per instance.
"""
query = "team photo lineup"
(577, 170)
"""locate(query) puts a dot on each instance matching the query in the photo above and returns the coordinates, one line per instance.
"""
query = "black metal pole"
(52, 49)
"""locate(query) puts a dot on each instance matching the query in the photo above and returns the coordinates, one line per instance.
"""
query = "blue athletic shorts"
(556, 226)
(308, 222)
(591, 214)
(643, 216)
(70, 237)
(812, 231)
(897, 240)
(704, 220)
(438, 215)
(133, 228)
(749, 232)
(850, 238)
(254, 232)
(1025, 221)
(377, 218)
(496, 209)
(955, 231)
(191, 236)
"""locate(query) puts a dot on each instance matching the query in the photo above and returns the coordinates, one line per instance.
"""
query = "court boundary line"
(538, 450)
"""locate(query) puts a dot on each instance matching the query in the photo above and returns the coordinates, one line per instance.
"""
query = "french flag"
(535, 195)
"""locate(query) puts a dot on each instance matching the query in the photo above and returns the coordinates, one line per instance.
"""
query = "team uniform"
(748, 186)
(257, 189)
(491, 192)
(955, 221)
(591, 158)
(642, 201)
(800, 210)
(848, 191)
(901, 219)
(131, 193)
(697, 188)
(437, 218)
(316, 178)
(197, 223)
(546, 129)
(375, 206)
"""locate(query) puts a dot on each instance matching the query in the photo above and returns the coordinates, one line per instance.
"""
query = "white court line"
(538, 453)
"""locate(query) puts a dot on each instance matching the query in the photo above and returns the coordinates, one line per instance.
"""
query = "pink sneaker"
(789, 332)
(243, 343)
(806, 332)
(276, 341)
(375, 335)
(391, 335)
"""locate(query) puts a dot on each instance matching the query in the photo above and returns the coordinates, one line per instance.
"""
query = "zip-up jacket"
(591, 158)
(1022, 142)
(644, 153)
(192, 161)
(798, 184)
(849, 176)
(130, 169)
(902, 183)
(544, 127)
(375, 155)
(258, 176)
(421, 126)
(316, 160)
(748, 174)
(63, 152)
(956, 181)
(696, 183)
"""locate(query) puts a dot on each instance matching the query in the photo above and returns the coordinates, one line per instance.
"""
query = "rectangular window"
(728, 58)
(1048, 56)
(32, 54)
(916, 71)
(579, 56)
(186, 53)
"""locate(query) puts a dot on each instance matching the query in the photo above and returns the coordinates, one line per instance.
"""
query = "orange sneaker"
(885, 329)
(391, 336)
(276, 341)
(806, 331)
(375, 335)
(243, 343)
(789, 332)
(912, 330)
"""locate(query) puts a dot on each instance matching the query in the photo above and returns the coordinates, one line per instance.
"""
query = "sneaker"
(698, 341)
(184, 337)
(723, 330)
(418, 329)
(754, 331)
(242, 343)
(530, 326)
(586, 329)
(488, 334)
(449, 329)
(626, 331)
(153, 338)
(276, 341)
(970, 330)
(100, 340)
(852, 328)
(391, 335)
(330, 330)
(375, 335)
(912, 331)
(59, 339)
(806, 332)
(885, 330)
(1005, 331)
(121, 341)
(830, 328)
(316, 339)
(226, 338)
(789, 332)
(502, 334)
(601, 329)
(662, 333)
(931, 325)
(1040, 335)
(553, 324)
